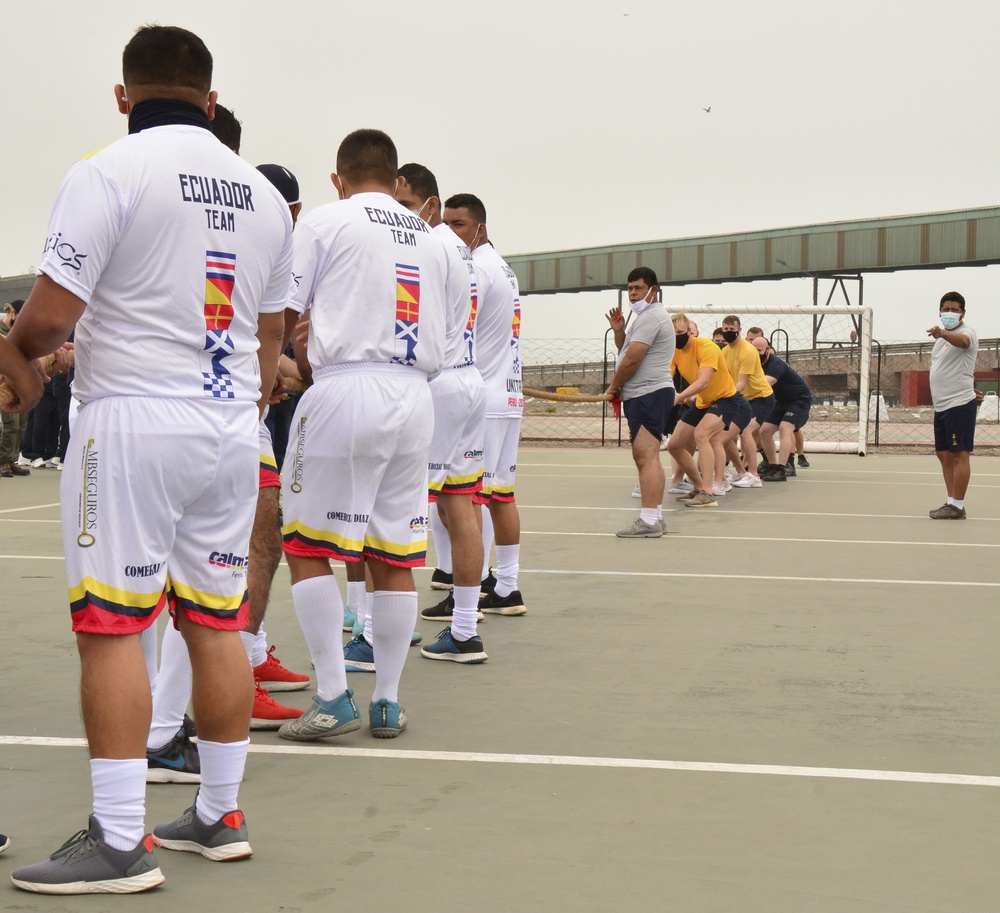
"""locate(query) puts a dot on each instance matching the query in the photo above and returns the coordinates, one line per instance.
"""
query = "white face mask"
(642, 304)
(420, 210)
(950, 320)
(475, 237)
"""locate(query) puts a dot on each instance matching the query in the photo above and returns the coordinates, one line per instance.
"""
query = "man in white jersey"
(354, 485)
(173, 258)
(498, 356)
(455, 464)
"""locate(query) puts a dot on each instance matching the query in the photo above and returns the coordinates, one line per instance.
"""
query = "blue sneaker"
(386, 718)
(324, 719)
(359, 656)
(415, 638)
(458, 651)
(350, 620)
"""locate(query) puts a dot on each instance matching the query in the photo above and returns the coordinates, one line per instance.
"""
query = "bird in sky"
(707, 110)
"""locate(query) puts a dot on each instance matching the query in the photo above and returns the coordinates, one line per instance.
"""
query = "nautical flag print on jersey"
(220, 276)
(407, 313)
(515, 336)
(470, 327)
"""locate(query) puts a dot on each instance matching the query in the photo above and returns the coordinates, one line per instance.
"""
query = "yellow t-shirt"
(703, 353)
(743, 358)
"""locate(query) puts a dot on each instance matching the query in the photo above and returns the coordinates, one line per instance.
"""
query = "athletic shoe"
(350, 619)
(442, 580)
(324, 719)
(4, 842)
(275, 677)
(803, 462)
(38, 463)
(267, 712)
(175, 762)
(636, 492)
(790, 467)
(488, 584)
(718, 490)
(774, 474)
(386, 718)
(458, 651)
(22, 460)
(762, 467)
(190, 730)
(415, 638)
(511, 604)
(680, 488)
(54, 463)
(689, 495)
(444, 610)
(639, 529)
(701, 499)
(748, 480)
(948, 512)
(359, 655)
(85, 864)
(224, 840)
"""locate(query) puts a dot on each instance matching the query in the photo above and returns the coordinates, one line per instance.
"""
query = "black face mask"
(730, 335)
(721, 345)
(681, 340)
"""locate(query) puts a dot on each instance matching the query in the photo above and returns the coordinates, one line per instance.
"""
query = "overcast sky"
(577, 124)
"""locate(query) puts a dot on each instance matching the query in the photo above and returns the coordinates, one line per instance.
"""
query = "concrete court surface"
(790, 703)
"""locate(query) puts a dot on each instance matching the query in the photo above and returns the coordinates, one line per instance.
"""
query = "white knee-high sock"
(395, 615)
(147, 640)
(119, 799)
(173, 689)
(508, 565)
(463, 619)
(222, 765)
(487, 540)
(320, 611)
(356, 599)
(442, 540)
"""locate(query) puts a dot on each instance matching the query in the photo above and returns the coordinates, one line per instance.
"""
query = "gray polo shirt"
(654, 328)
(953, 370)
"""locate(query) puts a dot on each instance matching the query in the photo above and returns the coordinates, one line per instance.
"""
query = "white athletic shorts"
(158, 498)
(500, 458)
(455, 463)
(354, 481)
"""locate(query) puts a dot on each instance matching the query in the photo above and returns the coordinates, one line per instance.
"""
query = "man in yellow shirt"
(743, 362)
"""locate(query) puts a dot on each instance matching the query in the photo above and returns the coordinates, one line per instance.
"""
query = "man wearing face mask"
(953, 365)
(792, 401)
(745, 368)
(642, 379)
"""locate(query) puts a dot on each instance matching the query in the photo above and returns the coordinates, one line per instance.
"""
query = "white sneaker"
(38, 463)
(53, 463)
(719, 490)
(680, 488)
(22, 460)
(635, 491)
(748, 480)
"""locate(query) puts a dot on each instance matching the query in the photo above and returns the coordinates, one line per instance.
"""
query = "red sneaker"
(268, 713)
(275, 677)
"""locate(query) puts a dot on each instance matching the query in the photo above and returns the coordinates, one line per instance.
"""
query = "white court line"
(473, 757)
(675, 536)
(755, 513)
(881, 483)
(13, 520)
(15, 510)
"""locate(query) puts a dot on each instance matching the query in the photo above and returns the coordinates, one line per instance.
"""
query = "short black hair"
(645, 274)
(227, 128)
(468, 201)
(953, 296)
(368, 155)
(164, 55)
(421, 180)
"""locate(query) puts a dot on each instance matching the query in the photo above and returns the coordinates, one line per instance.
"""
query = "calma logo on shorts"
(418, 523)
(473, 454)
(229, 560)
(88, 496)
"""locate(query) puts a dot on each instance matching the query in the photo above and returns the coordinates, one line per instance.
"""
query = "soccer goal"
(830, 347)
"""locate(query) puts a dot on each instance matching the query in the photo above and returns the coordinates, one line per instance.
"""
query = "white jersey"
(498, 334)
(175, 244)
(463, 300)
(373, 276)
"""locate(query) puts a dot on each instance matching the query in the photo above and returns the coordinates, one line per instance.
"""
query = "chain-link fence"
(899, 410)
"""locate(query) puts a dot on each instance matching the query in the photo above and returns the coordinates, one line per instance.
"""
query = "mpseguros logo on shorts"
(88, 496)
(300, 443)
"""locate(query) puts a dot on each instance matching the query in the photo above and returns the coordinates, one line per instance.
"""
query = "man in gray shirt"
(642, 380)
(953, 365)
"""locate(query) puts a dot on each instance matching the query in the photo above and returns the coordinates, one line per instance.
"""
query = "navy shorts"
(726, 408)
(955, 428)
(648, 411)
(744, 414)
(797, 413)
(762, 407)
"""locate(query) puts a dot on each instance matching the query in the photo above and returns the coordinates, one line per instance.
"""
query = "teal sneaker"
(386, 718)
(457, 651)
(350, 620)
(359, 655)
(324, 719)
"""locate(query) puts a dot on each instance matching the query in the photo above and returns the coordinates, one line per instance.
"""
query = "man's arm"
(960, 340)
(634, 355)
(617, 321)
(23, 380)
(47, 318)
(704, 378)
(270, 330)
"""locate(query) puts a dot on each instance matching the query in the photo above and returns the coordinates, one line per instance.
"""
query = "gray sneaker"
(680, 488)
(224, 840)
(701, 499)
(324, 719)
(640, 530)
(948, 512)
(85, 864)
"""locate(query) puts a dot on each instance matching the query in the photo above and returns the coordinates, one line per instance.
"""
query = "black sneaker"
(803, 462)
(85, 864)
(488, 584)
(790, 467)
(220, 841)
(773, 474)
(190, 730)
(444, 610)
(762, 467)
(4, 842)
(440, 580)
(512, 604)
(175, 762)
